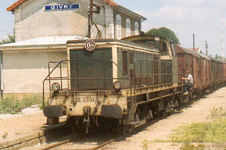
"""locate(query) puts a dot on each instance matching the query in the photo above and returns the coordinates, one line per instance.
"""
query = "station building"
(42, 28)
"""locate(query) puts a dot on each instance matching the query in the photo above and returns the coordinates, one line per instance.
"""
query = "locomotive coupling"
(86, 120)
(86, 110)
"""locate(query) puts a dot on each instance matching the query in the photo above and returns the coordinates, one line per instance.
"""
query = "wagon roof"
(217, 60)
(181, 49)
(204, 56)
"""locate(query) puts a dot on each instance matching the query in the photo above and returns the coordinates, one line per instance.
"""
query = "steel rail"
(55, 145)
(134, 131)
(102, 145)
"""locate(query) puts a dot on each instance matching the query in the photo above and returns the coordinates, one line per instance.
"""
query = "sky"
(184, 17)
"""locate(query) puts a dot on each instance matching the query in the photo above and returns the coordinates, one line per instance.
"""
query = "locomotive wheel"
(123, 129)
(53, 121)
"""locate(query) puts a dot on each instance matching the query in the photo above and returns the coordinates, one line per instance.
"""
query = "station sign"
(62, 7)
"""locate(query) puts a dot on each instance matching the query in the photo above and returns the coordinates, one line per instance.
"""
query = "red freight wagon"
(189, 61)
(205, 71)
(216, 72)
(224, 70)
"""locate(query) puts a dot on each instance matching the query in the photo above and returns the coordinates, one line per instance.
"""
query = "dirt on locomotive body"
(124, 83)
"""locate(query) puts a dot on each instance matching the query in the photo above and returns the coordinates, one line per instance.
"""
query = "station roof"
(110, 2)
(19, 2)
(41, 42)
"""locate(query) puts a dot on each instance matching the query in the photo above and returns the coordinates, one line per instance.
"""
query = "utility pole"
(90, 17)
(222, 35)
(193, 41)
(206, 48)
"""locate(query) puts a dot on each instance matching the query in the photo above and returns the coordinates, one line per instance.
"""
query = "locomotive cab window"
(172, 49)
(164, 49)
(149, 43)
(125, 61)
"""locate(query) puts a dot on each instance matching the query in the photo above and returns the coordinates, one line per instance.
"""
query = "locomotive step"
(186, 93)
(134, 123)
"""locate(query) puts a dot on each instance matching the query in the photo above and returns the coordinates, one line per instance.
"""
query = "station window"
(136, 28)
(118, 27)
(128, 27)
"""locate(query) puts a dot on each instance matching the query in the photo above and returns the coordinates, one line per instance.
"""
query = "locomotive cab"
(166, 51)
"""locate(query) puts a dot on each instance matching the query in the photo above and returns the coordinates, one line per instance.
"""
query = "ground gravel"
(26, 122)
(199, 111)
(156, 135)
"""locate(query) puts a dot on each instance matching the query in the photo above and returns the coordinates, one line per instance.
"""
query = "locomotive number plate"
(85, 99)
(90, 45)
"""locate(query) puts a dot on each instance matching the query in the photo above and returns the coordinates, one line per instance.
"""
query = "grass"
(4, 135)
(145, 144)
(188, 146)
(12, 106)
(217, 113)
(211, 132)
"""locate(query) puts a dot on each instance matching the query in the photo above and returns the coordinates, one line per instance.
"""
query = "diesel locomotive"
(123, 83)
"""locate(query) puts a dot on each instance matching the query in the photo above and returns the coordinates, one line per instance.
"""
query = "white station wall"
(24, 72)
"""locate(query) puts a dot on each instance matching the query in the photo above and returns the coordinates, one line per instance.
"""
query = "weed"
(188, 146)
(4, 135)
(145, 144)
(201, 132)
(9, 105)
(41, 106)
(28, 101)
(217, 112)
(12, 105)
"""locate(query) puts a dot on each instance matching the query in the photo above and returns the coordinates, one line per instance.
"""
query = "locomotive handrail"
(58, 64)
(156, 73)
(43, 86)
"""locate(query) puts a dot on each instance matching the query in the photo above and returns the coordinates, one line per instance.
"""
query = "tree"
(164, 33)
(220, 57)
(9, 39)
(201, 52)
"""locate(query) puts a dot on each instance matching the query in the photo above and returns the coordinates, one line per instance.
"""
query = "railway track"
(44, 135)
(60, 145)
(66, 141)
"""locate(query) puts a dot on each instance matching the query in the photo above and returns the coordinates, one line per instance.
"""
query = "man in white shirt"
(189, 82)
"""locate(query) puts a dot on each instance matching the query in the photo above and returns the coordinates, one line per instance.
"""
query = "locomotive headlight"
(56, 87)
(117, 85)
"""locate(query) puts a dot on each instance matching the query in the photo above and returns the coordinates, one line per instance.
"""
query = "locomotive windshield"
(149, 43)
(161, 46)
(91, 70)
